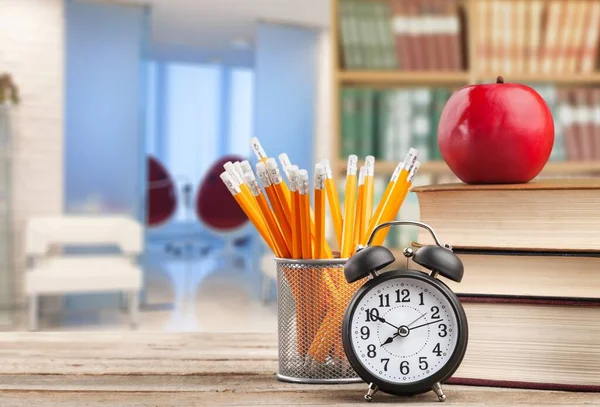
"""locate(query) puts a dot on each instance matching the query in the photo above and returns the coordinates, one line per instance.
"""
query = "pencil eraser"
(327, 166)
(352, 164)
(285, 160)
(249, 177)
(370, 166)
(319, 169)
(261, 167)
(246, 166)
(271, 163)
(257, 148)
(303, 174)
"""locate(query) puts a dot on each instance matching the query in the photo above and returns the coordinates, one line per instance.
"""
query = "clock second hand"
(429, 323)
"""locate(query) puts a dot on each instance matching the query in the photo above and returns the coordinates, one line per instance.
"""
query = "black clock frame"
(424, 385)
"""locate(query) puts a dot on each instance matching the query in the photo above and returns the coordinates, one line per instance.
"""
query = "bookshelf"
(381, 79)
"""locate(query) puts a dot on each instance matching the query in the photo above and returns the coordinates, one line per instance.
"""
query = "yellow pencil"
(278, 184)
(359, 217)
(304, 214)
(334, 202)
(254, 216)
(286, 163)
(319, 198)
(394, 190)
(295, 218)
(391, 212)
(261, 155)
(368, 195)
(277, 238)
(349, 208)
(280, 215)
(232, 170)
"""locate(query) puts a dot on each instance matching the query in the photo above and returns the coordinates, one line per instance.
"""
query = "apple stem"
(499, 79)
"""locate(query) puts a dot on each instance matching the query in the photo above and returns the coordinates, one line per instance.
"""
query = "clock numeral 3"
(443, 328)
(371, 351)
(404, 368)
(423, 363)
(365, 332)
(437, 351)
(384, 300)
(386, 361)
(372, 314)
(436, 313)
(403, 296)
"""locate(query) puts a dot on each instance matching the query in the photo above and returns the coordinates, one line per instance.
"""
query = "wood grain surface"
(157, 369)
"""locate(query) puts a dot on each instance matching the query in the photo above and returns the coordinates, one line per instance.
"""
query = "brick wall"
(32, 43)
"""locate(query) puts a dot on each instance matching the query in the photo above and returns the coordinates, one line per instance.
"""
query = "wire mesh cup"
(312, 299)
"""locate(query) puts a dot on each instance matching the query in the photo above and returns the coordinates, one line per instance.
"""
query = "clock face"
(404, 330)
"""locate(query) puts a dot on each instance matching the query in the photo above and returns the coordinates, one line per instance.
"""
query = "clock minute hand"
(429, 323)
(384, 321)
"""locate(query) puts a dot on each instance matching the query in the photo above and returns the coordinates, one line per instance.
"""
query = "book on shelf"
(551, 215)
(537, 37)
(579, 113)
(386, 123)
(536, 343)
(401, 34)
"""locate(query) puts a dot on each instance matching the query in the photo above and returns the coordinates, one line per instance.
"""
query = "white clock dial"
(404, 330)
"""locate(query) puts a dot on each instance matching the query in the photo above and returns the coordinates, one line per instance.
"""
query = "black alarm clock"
(405, 332)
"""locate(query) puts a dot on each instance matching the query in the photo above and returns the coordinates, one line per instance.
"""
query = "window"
(197, 113)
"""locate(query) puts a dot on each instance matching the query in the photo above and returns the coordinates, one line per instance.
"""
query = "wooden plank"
(342, 395)
(139, 369)
(402, 78)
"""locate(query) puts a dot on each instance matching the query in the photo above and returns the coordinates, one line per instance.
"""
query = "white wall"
(32, 49)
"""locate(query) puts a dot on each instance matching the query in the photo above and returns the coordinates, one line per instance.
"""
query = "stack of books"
(418, 35)
(537, 36)
(531, 288)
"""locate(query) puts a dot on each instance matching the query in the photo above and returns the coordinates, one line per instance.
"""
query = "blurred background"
(116, 118)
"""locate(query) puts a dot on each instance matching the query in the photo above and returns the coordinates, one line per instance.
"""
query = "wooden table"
(157, 369)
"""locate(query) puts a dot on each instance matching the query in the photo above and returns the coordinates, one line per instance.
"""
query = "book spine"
(521, 39)
(566, 114)
(403, 132)
(483, 39)
(451, 29)
(386, 34)
(347, 54)
(389, 135)
(508, 52)
(588, 63)
(550, 41)
(415, 36)
(584, 121)
(400, 23)
(497, 35)
(348, 117)
(428, 35)
(367, 134)
(596, 119)
(376, 43)
(355, 43)
(576, 48)
(421, 106)
(566, 30)
(535, 34)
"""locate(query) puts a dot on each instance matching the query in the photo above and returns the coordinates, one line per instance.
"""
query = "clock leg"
(437, 388)
(372, 390)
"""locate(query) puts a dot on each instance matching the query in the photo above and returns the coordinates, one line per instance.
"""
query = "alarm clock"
(404, 331)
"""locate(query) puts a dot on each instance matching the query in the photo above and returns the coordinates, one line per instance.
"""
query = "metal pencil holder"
(312, 299)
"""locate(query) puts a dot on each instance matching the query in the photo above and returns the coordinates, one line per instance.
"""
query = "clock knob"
(441, 260)
(371, 258)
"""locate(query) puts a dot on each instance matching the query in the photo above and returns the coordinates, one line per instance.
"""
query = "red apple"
(499, 133)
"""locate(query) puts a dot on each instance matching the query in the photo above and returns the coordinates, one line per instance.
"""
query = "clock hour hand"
(429, 323)
(390, 339)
